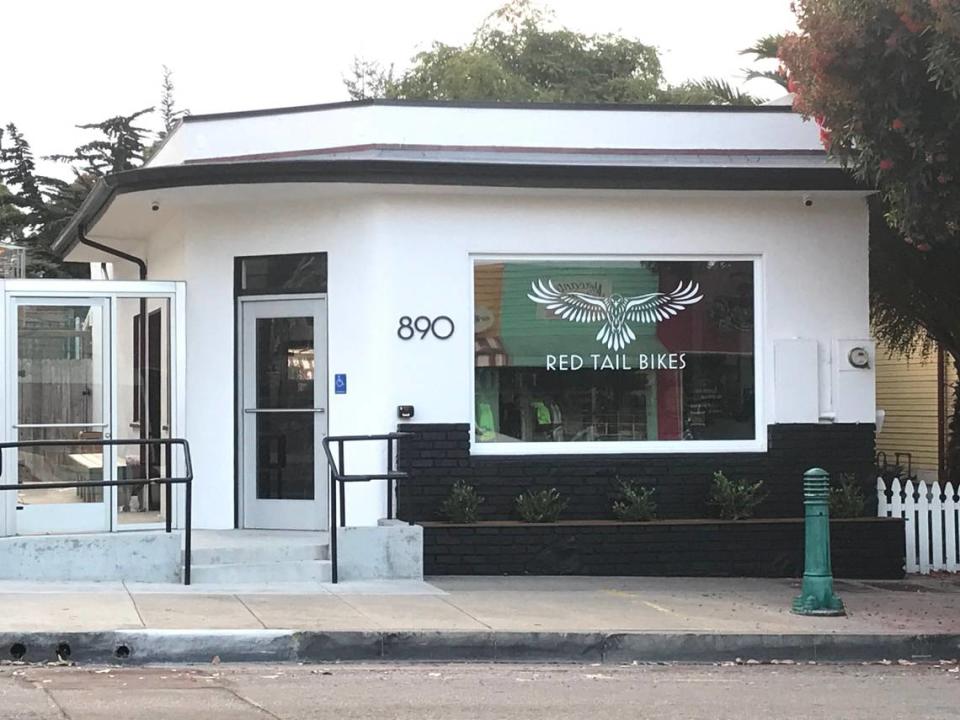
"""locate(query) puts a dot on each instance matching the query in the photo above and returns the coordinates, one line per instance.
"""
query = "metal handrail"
(186, 480)
(337, 476)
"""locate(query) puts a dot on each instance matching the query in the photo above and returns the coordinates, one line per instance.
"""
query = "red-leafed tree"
(882, 79)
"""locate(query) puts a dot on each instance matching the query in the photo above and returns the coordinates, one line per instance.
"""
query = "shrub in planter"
(634, 502)
(848, 499)
(895, 472)
(462, 504)
(540, 506)
(734, 499)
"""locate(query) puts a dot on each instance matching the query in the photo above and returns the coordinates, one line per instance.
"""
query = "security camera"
(155, 206)
(807, 201)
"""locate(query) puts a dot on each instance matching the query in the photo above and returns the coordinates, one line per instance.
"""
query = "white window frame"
(633, 447)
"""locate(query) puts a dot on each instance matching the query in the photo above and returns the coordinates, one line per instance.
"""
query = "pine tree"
(122, 147)
(169, 115)
(19, 168)
(32, 207)
(11, 217)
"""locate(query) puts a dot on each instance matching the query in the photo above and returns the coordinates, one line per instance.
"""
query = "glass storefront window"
(570, 351)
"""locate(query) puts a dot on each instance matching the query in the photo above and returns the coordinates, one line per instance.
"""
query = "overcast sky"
(67, 62)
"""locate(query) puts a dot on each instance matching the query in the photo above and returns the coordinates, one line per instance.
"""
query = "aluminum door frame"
(317, 517)
(69, 289)
(65, 517)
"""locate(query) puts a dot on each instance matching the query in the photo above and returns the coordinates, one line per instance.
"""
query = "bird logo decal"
(616, 311)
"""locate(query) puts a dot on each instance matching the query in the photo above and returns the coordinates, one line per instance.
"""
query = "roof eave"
(616, 177)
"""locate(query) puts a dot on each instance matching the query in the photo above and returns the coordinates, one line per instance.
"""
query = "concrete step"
(261, 573)
(259, 553)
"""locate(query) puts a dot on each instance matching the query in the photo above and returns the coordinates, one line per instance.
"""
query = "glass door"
(142, 407)
(61, 353)
(283, 401)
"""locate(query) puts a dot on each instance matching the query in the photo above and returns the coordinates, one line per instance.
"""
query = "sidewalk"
(481, 612)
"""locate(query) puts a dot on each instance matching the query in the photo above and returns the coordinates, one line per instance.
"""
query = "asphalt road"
(239, 692)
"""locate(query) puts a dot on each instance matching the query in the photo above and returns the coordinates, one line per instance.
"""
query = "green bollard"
(816, 597)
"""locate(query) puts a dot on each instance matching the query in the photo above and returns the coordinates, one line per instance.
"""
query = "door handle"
(284, 410)
(57, 425)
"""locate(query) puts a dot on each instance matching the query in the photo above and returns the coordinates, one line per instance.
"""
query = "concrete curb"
(201, 646)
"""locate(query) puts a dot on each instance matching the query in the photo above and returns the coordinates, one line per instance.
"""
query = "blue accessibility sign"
(340, 383)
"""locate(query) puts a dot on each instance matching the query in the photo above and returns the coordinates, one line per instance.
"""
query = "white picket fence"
(932, 527)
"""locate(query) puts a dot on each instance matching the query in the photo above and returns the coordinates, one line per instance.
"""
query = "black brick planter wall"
(439, 455)
(862, 548)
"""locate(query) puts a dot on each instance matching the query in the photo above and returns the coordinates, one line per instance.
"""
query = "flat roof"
(488, 105)
(498, 129)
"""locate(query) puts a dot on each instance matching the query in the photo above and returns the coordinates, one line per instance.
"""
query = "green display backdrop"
(529, 331)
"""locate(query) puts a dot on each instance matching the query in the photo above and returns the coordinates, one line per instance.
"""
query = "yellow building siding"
(908, 389)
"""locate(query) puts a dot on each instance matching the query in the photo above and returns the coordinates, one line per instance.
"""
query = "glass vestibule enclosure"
(87, 360)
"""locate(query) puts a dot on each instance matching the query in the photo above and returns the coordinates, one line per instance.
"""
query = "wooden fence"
(52, 391)
(932, 527)
(55, 391)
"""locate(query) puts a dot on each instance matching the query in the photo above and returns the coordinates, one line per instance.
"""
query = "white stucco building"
(335, 262)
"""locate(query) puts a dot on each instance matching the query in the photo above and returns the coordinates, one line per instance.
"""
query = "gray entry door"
(283, 366)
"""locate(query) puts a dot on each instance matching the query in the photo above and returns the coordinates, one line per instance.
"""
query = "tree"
(709, 91)
(882, 79)
(12, 218)
(123, 146)
(169, 115)
(766, 50)
(369, 79)
(30, 210)
(34, 209)
(519, 53)
(20, 168)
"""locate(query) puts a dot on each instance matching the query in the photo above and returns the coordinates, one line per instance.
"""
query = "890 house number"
(441, 327)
